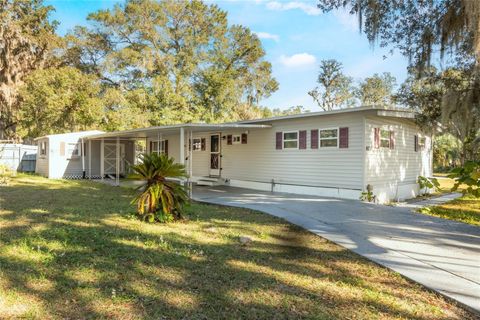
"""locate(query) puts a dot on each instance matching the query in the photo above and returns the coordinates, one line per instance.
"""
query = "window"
(384, 138)
(328, 138)
(43, 148)
(237, 139)
(290, 140)
(158, 147)
(73, 150)
(197, 144)
(422, 142)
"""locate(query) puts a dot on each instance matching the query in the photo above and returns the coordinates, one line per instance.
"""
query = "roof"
(77, 133)
(194, 127)
(381, 111)
(246, 124)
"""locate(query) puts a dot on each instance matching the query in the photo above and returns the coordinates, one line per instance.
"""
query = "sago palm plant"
(159, 199)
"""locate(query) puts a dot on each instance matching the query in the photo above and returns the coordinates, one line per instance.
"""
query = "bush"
(468, 175)
(426, 184)
(368, 195)
(160, 199)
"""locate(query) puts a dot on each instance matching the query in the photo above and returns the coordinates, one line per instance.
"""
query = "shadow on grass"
(69, 249)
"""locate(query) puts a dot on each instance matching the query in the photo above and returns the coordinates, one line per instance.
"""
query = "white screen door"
(109, 158)
(215, 155)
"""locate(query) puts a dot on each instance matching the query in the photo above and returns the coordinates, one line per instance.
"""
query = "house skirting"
(396, 192)
(297, 189)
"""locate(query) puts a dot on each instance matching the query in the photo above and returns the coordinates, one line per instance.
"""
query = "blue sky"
(295, 35)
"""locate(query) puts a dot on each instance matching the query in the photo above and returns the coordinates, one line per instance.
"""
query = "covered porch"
(197, 146)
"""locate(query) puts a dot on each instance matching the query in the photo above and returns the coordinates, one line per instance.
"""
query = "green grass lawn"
(465, 209)
(71, 249)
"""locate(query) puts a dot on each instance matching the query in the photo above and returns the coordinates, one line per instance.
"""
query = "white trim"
(195, 127)
(83, 158)
(388, 139)
(320, 138)
(421, 147)
(182, 146)
(193, 143)
(298, 139)
(89, 159)
(70, 155)
(380, 111)
(160, 146)
(366, 137)
(117, 162)
(44, 153)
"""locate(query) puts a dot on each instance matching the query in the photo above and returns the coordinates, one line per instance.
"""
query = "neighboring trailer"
(18, 157)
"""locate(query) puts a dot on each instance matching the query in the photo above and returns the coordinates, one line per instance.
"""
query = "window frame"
(288, 140)
(320, 137)
(238, 136)
(385, 139)
(198, 143)
(43, 148)
(158, 142)
(68, 148)
(422, 147)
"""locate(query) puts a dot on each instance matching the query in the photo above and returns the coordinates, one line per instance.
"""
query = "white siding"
(201, 159)
(259, 161)
(61, 166)
(393, 173)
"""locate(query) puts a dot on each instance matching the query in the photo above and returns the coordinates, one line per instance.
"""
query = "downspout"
(190, 164)
(365, 137)
(83, 159)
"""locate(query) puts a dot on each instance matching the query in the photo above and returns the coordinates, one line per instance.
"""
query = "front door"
(109, 158)
(215, 155)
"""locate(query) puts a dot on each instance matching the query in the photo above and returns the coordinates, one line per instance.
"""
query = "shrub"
(368, 195)
(160, 199)
(426, 184)
(468, 175)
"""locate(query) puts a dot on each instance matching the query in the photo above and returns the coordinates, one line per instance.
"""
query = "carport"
(183, 133)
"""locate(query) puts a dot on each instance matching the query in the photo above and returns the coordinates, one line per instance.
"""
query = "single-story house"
(333, 153)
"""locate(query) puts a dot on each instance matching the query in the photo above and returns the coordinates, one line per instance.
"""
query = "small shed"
(60, 155)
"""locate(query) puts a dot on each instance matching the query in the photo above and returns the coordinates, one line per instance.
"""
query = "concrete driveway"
(440, 254)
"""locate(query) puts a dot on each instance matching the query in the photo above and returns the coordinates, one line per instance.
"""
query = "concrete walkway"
(441, 254)
(433, 201)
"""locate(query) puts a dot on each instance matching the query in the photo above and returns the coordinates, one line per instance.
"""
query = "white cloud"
(309, 9)
(347, 20)
(298, 60)
(266, 35)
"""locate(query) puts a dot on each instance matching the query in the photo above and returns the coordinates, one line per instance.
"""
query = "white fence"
(18, 157)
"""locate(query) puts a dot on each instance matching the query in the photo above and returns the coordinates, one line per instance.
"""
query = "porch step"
(210, 181)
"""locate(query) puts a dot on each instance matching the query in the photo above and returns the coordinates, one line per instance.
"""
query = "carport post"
(190, 163)
(182, 149)
(102, 151)
(89, 159)
(182, 146)
(117, 164)
(82, 148)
